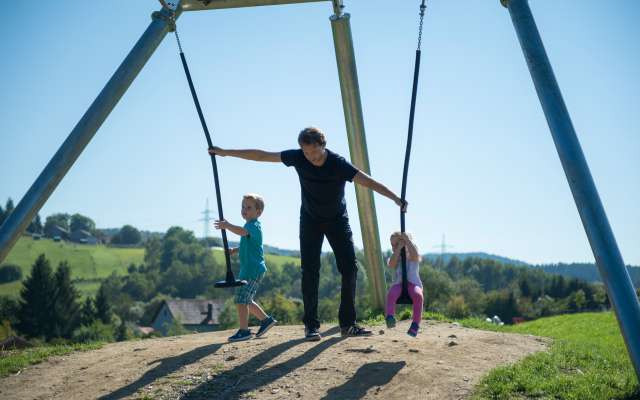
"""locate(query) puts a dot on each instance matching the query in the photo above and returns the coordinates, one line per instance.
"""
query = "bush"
(10, 273)
(176, 328)
(96, 332)
(457, 308)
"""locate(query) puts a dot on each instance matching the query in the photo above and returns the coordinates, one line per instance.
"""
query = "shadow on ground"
(231, 385)
(369, 375)
(165, 367)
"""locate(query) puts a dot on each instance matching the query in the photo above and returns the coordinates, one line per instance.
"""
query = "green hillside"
(87, 262)
(90, 264)
(588, 360)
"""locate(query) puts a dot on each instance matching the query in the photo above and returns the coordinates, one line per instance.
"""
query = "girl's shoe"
(242, 334)
(391, 321)
(413, 330)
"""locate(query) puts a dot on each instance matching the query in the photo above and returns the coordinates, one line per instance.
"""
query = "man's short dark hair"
(312, 135)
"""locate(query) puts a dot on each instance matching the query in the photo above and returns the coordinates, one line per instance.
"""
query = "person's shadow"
(244, 378)
(369, 375)
(165, 367)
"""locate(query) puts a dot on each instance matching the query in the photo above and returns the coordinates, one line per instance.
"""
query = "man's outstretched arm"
(249, 154)
(365, 180)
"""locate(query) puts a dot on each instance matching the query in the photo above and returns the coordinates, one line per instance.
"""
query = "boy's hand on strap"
(221, 224)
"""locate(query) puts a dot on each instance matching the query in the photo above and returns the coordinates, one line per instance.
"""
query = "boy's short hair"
(257, 200)
(312, 135)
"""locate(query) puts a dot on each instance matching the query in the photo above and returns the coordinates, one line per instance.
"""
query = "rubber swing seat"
(231, 283)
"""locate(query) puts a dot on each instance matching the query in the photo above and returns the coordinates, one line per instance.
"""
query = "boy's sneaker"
(312, 334)
(242, 334)
(391, 321)
(355, 331)
(413, 330)
(265, 325)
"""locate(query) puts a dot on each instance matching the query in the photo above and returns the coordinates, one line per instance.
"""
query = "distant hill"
(586, 271)
(446, 257)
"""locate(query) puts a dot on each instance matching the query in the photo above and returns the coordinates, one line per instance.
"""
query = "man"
(322, 174)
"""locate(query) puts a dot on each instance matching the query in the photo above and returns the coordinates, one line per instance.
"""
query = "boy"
(252, 267)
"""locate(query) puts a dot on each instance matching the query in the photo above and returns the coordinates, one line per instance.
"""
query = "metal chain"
(423, 7)
(178, 38)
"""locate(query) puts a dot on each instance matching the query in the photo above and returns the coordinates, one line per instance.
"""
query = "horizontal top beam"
(198, 5)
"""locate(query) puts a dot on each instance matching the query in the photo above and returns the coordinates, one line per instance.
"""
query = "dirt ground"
(445, 361)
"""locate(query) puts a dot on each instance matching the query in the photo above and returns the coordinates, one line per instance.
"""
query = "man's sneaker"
(391, 321)
(413, 330)
(355, 330)
(312, 334)
(265, 325)
(242, 334)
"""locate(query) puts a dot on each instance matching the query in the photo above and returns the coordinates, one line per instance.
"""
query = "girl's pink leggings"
(415, 292)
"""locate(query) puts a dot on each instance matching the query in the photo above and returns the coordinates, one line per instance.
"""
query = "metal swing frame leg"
(354, 121)
(594, 219)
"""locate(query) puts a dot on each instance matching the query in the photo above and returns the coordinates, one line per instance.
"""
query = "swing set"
(603, 244)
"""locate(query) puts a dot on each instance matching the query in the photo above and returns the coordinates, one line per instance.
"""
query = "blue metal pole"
(83, 132)
(594, 219)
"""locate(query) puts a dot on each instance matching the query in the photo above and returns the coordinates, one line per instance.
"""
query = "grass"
(588, 360)
(13, 361)
(86, 261)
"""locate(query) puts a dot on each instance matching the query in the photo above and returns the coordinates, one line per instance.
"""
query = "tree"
(128, 235)
(7, 210)
(60, 219)
(66, 317)
(35, 226)
(10, 273)
(80, 222)
(103, 307)
(88, 312)
(8, 309)
(36, 308)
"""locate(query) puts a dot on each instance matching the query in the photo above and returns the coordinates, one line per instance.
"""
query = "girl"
(404, 240)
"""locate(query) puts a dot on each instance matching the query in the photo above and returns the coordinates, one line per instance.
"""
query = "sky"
(484, 169)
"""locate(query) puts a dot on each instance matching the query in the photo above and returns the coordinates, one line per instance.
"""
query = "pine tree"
(66, 309)
(88, 312)
(103, 308)
(36, 306)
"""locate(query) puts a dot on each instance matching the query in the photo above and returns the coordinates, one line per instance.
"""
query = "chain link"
(423, 7)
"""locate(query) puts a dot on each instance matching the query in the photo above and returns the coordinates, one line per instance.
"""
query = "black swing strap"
(404, 297)
(230, 279)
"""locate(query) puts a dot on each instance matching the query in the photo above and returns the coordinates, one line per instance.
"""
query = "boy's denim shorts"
(246, 293)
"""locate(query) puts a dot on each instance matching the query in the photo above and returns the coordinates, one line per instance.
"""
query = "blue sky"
(484, 168)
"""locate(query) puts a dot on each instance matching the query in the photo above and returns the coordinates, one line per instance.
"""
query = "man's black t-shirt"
(322, 188)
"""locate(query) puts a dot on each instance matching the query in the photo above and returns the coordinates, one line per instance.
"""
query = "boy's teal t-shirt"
(251, 255)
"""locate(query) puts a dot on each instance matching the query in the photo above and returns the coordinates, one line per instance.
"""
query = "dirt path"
(390, 365)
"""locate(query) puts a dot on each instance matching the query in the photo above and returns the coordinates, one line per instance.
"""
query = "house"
(194, 315)
(82, 236)
(59, 233)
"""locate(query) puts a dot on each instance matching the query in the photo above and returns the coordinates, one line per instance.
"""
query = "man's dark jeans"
(340, 238)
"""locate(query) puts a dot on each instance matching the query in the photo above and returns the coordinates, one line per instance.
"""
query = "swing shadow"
(231, 385)
(165, 367)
